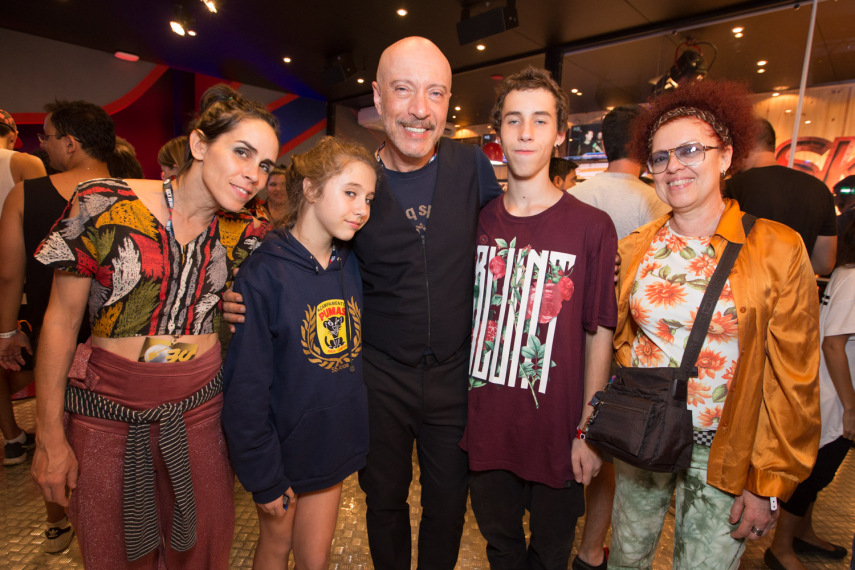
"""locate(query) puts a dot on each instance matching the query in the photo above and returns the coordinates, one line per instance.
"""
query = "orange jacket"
(768, 434)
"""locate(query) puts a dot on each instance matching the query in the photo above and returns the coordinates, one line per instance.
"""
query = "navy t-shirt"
(414, 192)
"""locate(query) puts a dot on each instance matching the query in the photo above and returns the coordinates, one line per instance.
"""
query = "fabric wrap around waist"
(139, 511)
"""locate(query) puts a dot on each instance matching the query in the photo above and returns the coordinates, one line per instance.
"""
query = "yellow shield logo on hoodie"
(331, 326)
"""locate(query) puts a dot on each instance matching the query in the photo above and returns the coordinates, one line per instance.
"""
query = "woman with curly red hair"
(755, 411)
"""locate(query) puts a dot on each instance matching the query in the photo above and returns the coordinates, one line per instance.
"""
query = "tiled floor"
(22, 510)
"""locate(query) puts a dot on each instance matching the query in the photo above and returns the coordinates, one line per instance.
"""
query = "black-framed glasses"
(689, 154)
(44, 137)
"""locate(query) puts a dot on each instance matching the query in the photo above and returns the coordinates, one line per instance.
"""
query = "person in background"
(794, 533)
(171, 156)
(123, 162)
(79, 138)
(562, 173)
(844, 199)
(768, 190)
(150, 259)
(295, 409)
(754, 401)
(14, 166)
(276, 207)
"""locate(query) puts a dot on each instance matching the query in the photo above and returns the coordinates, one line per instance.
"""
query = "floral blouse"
(144, 282)
(666, 294)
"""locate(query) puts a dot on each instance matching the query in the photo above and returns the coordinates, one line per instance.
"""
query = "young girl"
(143, 449)
(295, 413)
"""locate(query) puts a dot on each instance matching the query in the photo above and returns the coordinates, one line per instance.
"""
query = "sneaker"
(15, 452)
(58, 536)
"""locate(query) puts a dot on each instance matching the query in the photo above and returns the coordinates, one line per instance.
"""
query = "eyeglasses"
(43, 137)
(688, 154)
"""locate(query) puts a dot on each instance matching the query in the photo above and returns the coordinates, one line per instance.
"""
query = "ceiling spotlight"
(480, 47)
(453, 116)
(573, 90)
(761, 70)
(737, 30)
(775, 94)
(457, 108)
(181, 23)
(402, 12)
(579, 93)
(737, 35)
(286, 59)
(788, 111)
(762, 62)
(126, 56)
(210, 5)
(360, 80)
(807, 122)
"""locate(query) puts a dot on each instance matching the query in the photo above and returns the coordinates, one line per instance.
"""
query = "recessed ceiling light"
(453, 116)
(579, 93)
(191, 33)
(457, 108)
(807, 122)
(737, 30)
(610, 108)
(360, 80)
(788, 111)
(573, 90)
(126, 56)
(761, 70)
(775, 94)
(286, 59)
(177, 27)
(402, 11)
(210, 5)
(762, 62)
(739, 35)
(480, 47)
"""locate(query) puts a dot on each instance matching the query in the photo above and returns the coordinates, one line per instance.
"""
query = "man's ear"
(377, 101)
(559, 138)
(198, 145)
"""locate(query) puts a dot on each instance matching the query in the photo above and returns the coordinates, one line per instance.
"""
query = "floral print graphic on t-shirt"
(523, 297)
(664, 301)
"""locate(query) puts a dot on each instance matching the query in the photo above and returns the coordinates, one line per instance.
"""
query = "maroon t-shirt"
(541, 282)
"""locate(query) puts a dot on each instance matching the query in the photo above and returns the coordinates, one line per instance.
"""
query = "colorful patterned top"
(665, 297)
(144, 282)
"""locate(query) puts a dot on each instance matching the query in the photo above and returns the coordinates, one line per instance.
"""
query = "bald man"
(417, 261)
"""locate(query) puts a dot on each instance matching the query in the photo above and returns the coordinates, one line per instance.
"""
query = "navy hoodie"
(295, 411)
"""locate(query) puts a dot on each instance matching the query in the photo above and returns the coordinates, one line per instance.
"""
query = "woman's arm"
(837, 363)
(54, 464)
(13, 262)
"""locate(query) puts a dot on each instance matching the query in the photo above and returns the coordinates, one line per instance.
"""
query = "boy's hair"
(88, 123)
(529, 79)
(277, 171)
(325, 160)
(846, 246)
(220, 111)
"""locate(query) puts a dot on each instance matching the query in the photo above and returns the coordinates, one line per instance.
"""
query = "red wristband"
(580, 434)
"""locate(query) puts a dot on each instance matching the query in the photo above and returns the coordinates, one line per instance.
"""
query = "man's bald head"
(412, 93)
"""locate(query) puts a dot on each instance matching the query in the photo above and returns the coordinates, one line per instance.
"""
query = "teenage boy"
(541, 344)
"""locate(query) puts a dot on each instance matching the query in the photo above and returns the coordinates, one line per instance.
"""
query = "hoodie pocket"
(326, 439)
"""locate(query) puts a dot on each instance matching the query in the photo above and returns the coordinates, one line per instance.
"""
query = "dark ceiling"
(247, 39)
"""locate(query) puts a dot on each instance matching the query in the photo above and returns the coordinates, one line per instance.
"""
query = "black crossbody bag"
(641, 417)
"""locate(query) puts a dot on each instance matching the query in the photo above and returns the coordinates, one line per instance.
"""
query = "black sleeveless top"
(43, 206)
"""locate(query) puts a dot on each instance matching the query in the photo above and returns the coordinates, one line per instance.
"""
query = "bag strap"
(713, 292)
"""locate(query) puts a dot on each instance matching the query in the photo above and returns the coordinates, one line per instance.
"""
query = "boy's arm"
(598, 355)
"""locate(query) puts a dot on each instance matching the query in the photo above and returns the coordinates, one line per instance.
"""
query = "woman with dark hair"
(142, 447)
(795, 534)
(754, 403)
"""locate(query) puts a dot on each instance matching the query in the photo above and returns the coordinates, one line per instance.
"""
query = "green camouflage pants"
(701, 531)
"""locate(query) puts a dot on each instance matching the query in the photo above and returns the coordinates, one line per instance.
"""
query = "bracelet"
(9, 334)
(581, 434)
